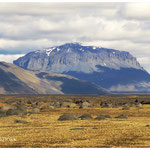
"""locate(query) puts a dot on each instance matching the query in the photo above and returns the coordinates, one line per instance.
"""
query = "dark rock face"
(29, 102)
(72, 105)
(2, 114)
(12, 112)
(16, 112)
(138, 105)
(85, 117)
(102, 117)
(62, 105)
(35, 111)
(44, 108)
(9, 110)
(122, 116)
(117, 71)
(125, 108)
(85, 105)
(77, 129)
(5, 108)
(20, 121)
(68, 117)
(106, 105)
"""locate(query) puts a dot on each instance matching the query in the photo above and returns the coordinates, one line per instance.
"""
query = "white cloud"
(24, 46)
(137, 10)
(144, 60)
(30, 26)
(9, 58)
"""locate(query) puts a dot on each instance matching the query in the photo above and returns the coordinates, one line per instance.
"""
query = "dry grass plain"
(44, 129)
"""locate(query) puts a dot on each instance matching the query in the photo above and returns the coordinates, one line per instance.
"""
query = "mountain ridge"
(15, 80)
(89, 56)
(111, 69)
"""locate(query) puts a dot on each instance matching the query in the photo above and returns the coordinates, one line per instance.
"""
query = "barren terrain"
(43, 129)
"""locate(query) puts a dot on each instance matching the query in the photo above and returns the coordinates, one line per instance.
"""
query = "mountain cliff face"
(75, 57)
(15, 80)
(118, 71)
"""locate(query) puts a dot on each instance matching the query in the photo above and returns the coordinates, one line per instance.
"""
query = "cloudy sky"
(25, 27)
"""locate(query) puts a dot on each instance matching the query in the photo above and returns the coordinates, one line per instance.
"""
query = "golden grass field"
(44, 129)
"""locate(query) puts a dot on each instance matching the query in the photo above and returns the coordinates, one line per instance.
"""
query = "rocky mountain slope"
(75, 57)
(15, 80)
(117, 71)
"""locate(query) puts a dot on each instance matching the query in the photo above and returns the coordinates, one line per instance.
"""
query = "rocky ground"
(75, 121)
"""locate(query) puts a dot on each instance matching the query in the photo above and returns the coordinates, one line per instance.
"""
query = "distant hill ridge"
(15, 80)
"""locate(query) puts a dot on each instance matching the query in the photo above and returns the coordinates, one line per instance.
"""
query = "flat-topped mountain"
(75, 57)
(115, 70)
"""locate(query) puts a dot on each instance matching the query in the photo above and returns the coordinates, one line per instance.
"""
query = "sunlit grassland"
(43, 130)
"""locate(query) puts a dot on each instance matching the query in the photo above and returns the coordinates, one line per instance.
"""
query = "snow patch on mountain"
(48, 51)
(94, 47)
(58, 49)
